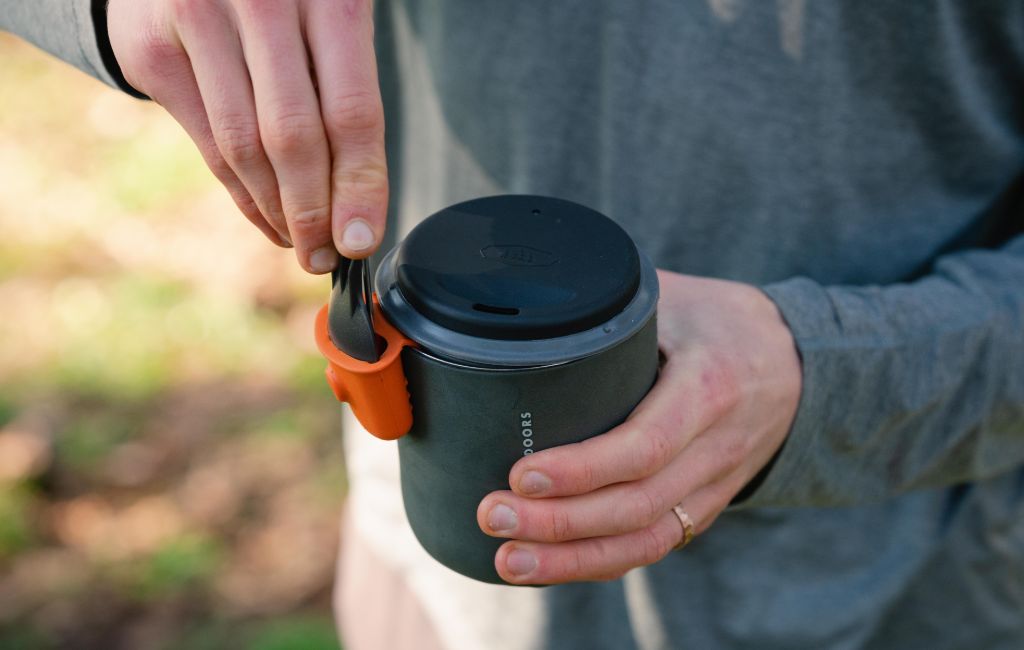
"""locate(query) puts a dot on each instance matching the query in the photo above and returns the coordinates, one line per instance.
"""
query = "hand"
(281, 97)
(721, 408)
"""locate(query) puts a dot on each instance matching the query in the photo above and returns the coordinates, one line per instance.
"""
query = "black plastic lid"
(518, 267)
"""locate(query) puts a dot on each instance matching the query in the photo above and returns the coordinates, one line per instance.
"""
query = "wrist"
(99, 20)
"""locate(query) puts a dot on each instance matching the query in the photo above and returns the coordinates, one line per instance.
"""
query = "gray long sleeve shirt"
(66, 29)
(863, 162)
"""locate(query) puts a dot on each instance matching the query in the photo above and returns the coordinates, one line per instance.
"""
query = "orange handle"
(376, 391)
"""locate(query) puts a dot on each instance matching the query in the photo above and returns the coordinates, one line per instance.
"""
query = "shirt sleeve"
(906, 386)
(72, 30)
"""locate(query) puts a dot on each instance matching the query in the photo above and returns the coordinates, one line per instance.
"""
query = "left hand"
(722, 406)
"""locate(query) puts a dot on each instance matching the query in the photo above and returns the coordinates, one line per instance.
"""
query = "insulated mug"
(499, 327)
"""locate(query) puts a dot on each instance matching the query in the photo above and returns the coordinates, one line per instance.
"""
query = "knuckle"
(733, 451)
(221, 169)
(207, 145)
(655, 450)
(647, 505)
(153, 55)
(719, 384)
(588, 476)
(369, 180)
(559, 525)
(653, 545)
(238, 140)
(311, 219)
(292, 132)
(359, 112)
(574, 564)
(244, 201)
(572, 469)
(214, 158)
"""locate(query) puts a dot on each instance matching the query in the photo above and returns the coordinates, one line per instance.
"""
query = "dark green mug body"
(470, 425)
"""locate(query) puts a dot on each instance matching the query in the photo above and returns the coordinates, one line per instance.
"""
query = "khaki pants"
(373, 607)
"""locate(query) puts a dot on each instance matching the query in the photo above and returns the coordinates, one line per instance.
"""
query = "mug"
(499, 327)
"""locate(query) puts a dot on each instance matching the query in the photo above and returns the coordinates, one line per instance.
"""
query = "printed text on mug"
(526, 422)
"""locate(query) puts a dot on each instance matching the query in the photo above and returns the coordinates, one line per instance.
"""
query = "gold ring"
(688, 527)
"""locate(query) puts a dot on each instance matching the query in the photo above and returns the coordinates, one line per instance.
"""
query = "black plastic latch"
(350, 311)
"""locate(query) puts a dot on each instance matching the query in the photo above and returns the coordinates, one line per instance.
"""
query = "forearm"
(71, 30)
(906, 386)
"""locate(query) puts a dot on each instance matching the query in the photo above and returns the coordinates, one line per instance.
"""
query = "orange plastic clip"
(376, 391)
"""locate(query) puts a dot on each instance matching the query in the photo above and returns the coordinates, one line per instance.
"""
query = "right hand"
(282, 99)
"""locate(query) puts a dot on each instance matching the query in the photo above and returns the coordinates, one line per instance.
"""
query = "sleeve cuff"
(789, 479)
(106, 65)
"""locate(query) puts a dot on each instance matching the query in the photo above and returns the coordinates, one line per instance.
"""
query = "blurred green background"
(170, 461)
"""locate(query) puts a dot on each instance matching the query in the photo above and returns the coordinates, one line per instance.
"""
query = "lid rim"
(467, 349)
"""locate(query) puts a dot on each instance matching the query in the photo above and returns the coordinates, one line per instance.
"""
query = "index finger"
(341, 44)
(689, 396)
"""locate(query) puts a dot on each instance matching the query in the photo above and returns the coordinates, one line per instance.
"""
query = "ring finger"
(604, 558)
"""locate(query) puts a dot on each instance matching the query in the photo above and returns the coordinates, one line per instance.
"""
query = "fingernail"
(533, 482)
(502, 518)
(520, 563)
(357, 235)
(323, 259)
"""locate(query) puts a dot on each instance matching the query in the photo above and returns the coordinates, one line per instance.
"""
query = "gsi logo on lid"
(515, 255)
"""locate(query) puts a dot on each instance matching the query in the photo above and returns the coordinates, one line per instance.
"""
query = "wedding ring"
(688, 527)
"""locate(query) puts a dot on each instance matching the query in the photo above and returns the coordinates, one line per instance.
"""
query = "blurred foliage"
(15, 527)
(295, 633)
(177, 564)
(143, 178)
(170, 464)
